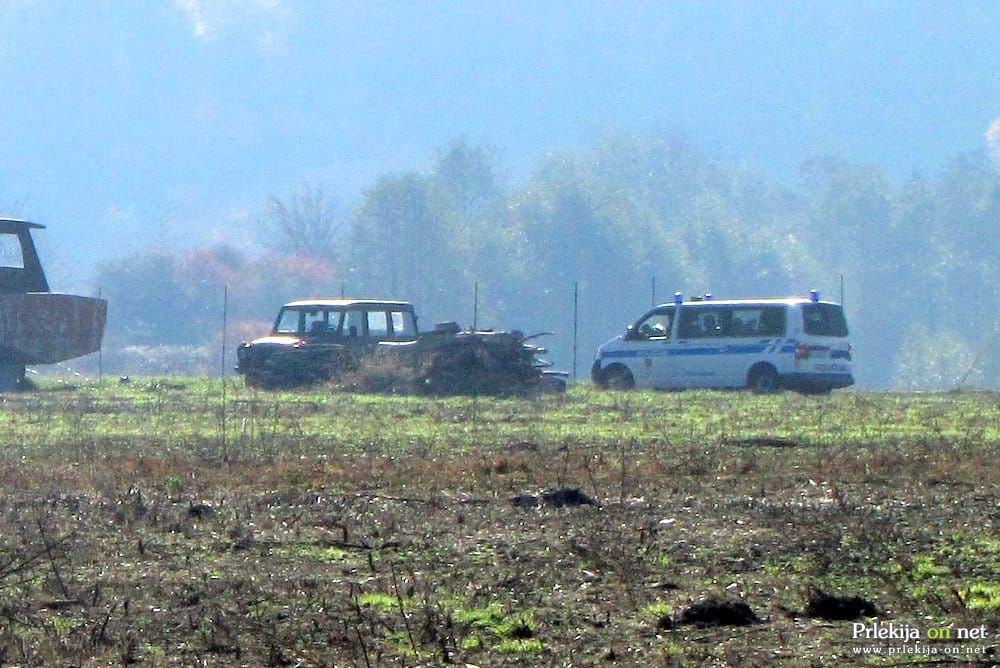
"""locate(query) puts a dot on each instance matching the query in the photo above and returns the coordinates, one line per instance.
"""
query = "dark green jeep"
(314, 339)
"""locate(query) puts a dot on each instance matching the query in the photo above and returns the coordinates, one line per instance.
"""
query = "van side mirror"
(630, 333)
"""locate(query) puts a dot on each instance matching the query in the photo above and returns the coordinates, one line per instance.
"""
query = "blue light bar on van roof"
(678, 298)
(708, 296)
(814, 295)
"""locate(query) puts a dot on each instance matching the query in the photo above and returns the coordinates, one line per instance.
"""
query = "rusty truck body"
(38, 326)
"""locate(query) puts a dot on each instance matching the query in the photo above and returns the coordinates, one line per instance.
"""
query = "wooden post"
(576, 318)
(100, 351)
(475, 305)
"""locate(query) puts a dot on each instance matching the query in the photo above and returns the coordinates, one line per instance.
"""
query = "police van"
(763, 344)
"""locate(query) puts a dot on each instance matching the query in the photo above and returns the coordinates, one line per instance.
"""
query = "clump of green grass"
(983, 596)
(326, 554)
(516, 646)
(924, 568)
(520, 626)
(379, 601)
(482, 618)
(516, 632)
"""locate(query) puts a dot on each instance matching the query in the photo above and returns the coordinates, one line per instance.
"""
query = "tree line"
(628, 221)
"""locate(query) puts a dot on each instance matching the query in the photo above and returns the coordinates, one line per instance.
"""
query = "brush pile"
(449, 361)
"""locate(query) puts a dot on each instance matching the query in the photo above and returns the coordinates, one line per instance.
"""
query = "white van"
(764, 344)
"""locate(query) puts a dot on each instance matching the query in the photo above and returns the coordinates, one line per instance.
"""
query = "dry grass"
(141, 524)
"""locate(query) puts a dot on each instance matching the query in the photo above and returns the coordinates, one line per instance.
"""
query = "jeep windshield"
(288, 322)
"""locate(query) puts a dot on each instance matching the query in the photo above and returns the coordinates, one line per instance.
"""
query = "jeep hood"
(276, 340)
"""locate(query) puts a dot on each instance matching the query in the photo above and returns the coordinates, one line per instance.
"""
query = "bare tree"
(306, 224)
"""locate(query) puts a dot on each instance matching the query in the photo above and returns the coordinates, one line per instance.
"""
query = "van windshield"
(824, 320)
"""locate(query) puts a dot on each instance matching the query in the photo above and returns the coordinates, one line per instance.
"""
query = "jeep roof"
(349, 302)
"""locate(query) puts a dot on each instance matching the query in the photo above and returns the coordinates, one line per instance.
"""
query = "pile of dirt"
(826, 606)
(713, 612)
(472, 363)
(557, 498)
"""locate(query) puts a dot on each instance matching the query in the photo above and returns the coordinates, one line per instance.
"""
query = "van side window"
(758, 321)
(702, 323)
(689, 327)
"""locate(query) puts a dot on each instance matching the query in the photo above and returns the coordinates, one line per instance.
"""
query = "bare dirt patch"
(306, 538)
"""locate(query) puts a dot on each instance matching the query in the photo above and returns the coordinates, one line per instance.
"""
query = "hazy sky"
(140, 120)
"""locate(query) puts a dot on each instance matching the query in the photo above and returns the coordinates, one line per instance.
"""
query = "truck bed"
(49, 327)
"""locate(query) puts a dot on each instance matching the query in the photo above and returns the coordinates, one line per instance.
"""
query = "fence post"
(100, 350)
(225, 319)
(225, 322)
(475, 305)
(576, 314)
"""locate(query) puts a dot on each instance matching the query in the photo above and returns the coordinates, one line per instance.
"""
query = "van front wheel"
(763, 379)
(11, 376)
(618, 377)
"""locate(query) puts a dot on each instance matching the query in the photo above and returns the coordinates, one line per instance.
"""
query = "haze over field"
(128, 125)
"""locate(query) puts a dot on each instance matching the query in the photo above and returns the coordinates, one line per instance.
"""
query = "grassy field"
(156, 523)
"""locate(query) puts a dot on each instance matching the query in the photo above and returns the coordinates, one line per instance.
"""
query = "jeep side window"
(403, 326)
(333, 323)
(315, 323)
(353, 324)
(378, 324)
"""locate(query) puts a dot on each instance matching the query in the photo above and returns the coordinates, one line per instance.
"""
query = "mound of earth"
(826, 606)
(557, 498)
(474, 363)
(713, 612)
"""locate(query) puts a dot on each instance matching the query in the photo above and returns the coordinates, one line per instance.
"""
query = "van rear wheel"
(763, 379)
